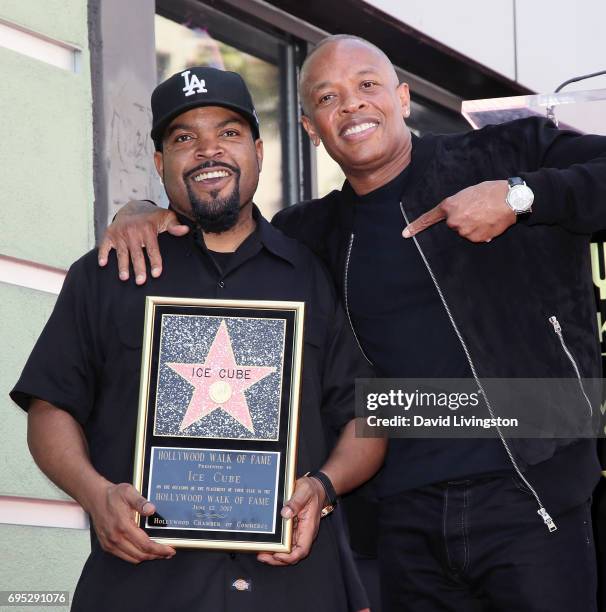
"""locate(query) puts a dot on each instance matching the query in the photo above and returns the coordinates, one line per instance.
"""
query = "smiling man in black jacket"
(466, 525)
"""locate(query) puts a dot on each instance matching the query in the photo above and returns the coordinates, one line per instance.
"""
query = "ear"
(404, 95)
(159, 161)
(309, 128)
(259, 151)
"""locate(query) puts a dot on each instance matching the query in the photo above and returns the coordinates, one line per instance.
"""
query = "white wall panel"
(478, 29)
(558, 40)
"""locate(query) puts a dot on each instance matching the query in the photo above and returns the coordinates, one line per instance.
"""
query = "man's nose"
(352, 103)
(209, 148)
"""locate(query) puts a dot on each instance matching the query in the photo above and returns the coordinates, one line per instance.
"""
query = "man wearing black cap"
(80, 384)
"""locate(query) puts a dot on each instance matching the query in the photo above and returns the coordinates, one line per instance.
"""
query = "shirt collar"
(274, 240)
(264, 235)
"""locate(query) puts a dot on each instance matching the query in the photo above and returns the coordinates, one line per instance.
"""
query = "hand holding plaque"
(305, 507)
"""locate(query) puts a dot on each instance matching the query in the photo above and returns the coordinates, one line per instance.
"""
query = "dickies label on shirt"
(241, 584)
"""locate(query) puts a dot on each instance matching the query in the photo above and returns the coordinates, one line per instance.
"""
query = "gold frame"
(289, 468)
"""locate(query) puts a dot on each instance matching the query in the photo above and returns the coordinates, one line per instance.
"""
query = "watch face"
(520, 198)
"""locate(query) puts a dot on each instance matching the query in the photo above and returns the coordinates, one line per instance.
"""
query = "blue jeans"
(480, 546)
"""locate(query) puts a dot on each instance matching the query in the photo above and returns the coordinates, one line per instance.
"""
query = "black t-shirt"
(87, 362)
(404, 329)
(221, 258)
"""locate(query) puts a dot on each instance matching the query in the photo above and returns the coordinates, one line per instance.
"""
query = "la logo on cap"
(193, 84)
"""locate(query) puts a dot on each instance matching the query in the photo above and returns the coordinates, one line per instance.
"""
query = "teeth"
(356, 129)
(204, 176)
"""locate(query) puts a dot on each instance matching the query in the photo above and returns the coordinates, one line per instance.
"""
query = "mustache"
(211, 164)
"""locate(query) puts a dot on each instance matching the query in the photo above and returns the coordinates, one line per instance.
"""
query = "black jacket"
(501, 295)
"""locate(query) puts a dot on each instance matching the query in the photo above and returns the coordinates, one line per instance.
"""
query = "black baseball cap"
(200, 86)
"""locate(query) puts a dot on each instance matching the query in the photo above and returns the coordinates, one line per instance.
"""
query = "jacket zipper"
(345, 282)
(542, 512)
(558, 330)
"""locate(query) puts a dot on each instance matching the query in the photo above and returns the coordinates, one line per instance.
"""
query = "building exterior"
(74, 105)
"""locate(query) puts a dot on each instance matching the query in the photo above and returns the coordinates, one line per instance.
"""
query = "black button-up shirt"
(87, 362)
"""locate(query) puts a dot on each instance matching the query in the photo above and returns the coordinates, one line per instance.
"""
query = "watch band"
(329, 490)
(515, 180)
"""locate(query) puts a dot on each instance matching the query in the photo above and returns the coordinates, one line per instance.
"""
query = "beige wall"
(46, 217)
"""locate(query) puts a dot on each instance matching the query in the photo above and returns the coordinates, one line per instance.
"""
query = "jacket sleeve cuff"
(544, 208)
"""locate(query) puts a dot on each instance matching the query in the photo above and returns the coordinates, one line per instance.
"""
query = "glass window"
(190, 32)
(204, 40)
(329, 174)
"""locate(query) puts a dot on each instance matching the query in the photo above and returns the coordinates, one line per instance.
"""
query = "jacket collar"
(423, 149)
(422, 152)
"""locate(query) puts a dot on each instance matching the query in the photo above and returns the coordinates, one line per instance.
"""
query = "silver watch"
(519, 197)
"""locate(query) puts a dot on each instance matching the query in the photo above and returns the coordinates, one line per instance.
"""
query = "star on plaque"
(220, 382)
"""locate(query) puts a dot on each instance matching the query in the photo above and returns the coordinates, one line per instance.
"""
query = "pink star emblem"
(219, 382)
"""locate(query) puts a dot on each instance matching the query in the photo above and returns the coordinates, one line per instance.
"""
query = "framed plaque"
(218, 418)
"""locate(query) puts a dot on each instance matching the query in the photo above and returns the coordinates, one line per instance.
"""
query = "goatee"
(218, 215)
